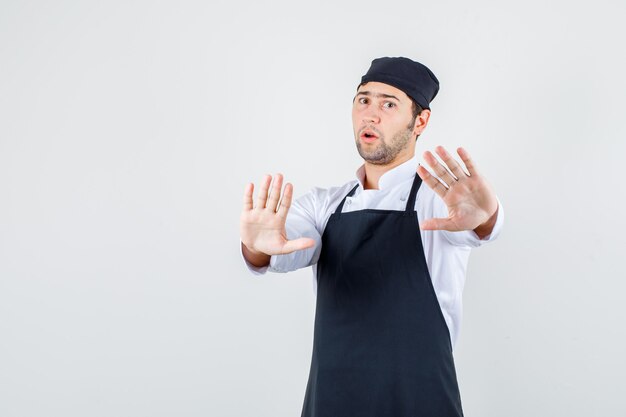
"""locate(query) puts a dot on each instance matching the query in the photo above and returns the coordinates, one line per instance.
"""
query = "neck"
(373, 172)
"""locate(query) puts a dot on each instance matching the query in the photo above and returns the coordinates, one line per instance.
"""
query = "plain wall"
(129, 129)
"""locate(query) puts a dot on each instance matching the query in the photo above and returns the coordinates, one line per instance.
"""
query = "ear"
(421, 121)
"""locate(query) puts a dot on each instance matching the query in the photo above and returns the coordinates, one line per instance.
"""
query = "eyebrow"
(377, 95)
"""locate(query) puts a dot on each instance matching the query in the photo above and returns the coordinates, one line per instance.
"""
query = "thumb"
(298, 244)
(438, 224)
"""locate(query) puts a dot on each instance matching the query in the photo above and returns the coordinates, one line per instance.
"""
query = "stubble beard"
(385, 152)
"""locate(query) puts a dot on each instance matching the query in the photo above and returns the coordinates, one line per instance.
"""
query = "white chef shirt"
(446, 252)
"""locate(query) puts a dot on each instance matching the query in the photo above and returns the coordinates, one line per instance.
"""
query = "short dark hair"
(416, 109)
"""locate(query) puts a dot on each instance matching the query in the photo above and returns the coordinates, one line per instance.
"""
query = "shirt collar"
(394, 176)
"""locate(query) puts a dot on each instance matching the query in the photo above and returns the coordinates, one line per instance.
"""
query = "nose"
(371, 115)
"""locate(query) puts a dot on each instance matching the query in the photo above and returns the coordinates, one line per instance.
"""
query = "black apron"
(381, 346)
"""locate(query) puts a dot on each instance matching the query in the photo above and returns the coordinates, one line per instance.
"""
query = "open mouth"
(368, 136)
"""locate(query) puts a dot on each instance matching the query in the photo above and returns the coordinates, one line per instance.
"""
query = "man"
(388, 288)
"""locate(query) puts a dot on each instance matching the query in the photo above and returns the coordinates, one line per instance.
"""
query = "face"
(383, 123)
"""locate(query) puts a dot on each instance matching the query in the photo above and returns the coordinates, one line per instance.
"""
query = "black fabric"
(415, 79)
(381, 344)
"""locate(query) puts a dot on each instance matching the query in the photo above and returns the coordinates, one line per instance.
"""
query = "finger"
(452, 164)
(247, 197)
(431, 181)
(272, 201)
(298, 244)
(285, 203)
(438, 224)
(262, 197)
(439, 169)
(467, 160)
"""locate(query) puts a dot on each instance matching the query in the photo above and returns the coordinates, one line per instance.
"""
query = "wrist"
(486, 228)
(258, 259)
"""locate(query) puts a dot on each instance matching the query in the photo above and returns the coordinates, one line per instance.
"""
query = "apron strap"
(338, 210)
(410, 204)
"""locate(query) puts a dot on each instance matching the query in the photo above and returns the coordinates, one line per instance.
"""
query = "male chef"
(389, 255)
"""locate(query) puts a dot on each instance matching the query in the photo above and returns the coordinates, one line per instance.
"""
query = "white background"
(128, 131)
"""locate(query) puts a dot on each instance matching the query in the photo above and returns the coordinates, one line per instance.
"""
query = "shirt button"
(348, 201)
(403, 198)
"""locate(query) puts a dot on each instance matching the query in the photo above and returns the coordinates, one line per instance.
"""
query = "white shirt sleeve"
(301, 222)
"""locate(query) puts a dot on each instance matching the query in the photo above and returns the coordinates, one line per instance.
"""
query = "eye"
(389, 104)
(362, 100)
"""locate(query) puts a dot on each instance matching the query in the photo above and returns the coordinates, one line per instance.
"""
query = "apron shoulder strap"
(410, 204)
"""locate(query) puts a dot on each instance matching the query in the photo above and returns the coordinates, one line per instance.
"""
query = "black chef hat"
(417, 81)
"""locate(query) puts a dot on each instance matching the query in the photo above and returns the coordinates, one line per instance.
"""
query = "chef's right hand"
(262, 225)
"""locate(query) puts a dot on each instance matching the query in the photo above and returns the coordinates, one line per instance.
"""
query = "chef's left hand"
(471, 202)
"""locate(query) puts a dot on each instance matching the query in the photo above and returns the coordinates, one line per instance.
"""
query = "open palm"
(262, 225)
(470, 199)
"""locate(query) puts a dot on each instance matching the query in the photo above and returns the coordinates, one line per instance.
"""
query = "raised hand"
(471, 202)
(262, 225)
